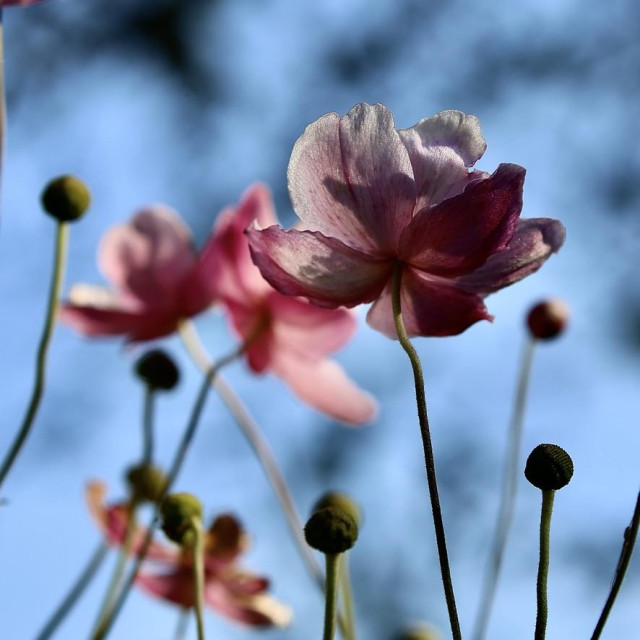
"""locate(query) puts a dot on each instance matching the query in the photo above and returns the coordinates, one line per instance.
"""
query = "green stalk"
(346, 593)
(331, 595)
(428, 451)
(198, 576)
(147, 426)
(543, 565)
(61, 242)
(509, 491)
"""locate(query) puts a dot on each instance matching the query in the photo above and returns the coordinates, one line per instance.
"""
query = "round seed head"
(339, 501)
(156, 369)
(147, 482)
(178, 511)
(549, 467)
(548, 319)
(331, 530)
(66, 198)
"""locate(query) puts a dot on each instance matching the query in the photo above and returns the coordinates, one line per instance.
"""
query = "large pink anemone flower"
(157, 275)
(372, 197)
(230, 590)
(286, 335)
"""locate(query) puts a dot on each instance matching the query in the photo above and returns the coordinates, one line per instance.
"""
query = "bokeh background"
(188, 102)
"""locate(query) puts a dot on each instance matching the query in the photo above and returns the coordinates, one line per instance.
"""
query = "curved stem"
(331, 595)
(543, 565)
(121, 564)
(75, 592)
(509, 491)
(176, 465)
(147, 426)
(62, 238)
(198, 576)
(260, 447)
(428, 452)
(630, 535)
(347, 599)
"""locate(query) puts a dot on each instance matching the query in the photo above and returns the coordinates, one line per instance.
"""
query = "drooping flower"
(157, 275)
(371, 197)
(232, 591)
(286, 335)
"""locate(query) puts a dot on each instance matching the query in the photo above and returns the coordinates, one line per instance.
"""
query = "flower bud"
(178, 511)
(66, 198)
(331, 530)
(548, 319)
(147, 482)
(549, 467)
(157, 369)
(340, 501)
(419, 632)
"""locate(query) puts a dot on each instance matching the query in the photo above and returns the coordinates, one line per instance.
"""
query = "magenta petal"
(175, 586)
(18, 3)
(325, 386)
(149, 257)
(326, 271)
(351, 178)
(460, 233)
(430, 307)
(534, 241)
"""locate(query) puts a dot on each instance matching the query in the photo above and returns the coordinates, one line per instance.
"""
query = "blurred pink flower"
(157, 275)
(291, 337)
(371, 196)
(17, 3)
(235, 593)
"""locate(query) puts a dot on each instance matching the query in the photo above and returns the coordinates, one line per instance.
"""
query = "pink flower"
(235, 593)
(291, 337)
(17, 3)
(157, 275)
(371, 196)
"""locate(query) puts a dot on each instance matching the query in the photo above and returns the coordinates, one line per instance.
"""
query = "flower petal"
(174, 586)
(149, 257)
(460, 234)
(534, 241)
(351, 178)
(430, 307)
(322, 269)
(325, 386)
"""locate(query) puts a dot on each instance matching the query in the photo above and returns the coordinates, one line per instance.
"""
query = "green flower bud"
(339, 501)
(548, 319)
(157, 369)
(178, 511)
(66, 198)
(549, 467)
(147, 482)
(331, 530)
(419, 632)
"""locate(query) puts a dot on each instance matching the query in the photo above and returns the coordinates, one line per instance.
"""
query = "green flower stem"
(331, 595)
(62, 240)
(176, 465)
(75, 592)
(183, 624)
(347, 599)
(630, 535)
(198, 575)
(259, 445)
(428, 452)
(543, 565)
(121, 564)
(147, 425)
(509, 491)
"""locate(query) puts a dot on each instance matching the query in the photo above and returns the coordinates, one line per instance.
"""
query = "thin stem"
(260, 447)
(183, 624)
(121, 564)
(3, 100)
(509, 491)
(147, 425)
(176, 465)
(543, 565)
(61, 242)
(198, 575)
(347, 599)
(75, 592)
(630, 535)
(428, 452)
(331, 595)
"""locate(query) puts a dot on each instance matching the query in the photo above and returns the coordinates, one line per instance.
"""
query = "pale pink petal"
(430, 307)
(308, 331)
(238, 581)
(460, 233)
(246, 322)
(149, 257)
(325, 386)
(534, 241)
(225, 269)
(326, 271)
(351, 178)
